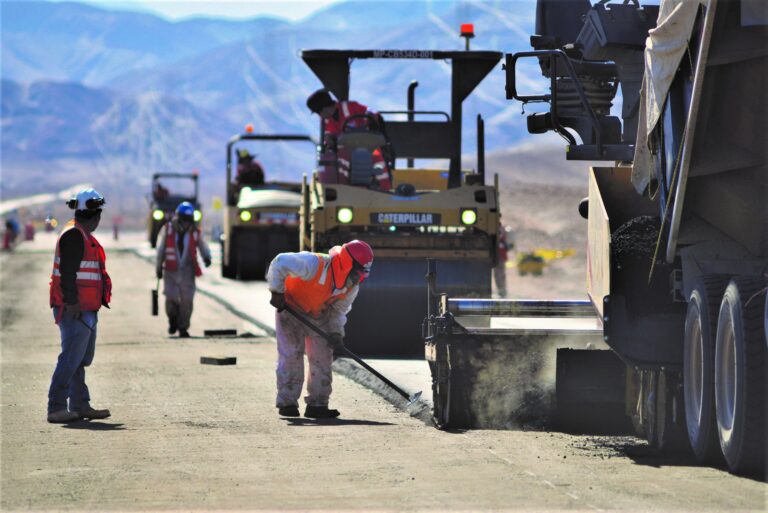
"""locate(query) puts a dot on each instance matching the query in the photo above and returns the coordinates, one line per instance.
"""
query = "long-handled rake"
(410, 398)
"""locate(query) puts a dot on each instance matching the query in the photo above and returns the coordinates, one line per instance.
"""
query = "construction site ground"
(185, 436)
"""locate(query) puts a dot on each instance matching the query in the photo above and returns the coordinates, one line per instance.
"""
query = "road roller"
(261, 218)
(449, 214)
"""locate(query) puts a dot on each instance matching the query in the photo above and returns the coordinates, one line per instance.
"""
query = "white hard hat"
(87, 199)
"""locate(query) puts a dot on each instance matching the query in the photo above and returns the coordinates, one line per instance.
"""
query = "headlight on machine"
(198, 216)
(158, 215)
(468, 216)
(245, 216)
(344, 215)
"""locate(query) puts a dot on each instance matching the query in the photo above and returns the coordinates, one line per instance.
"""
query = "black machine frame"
(414, 139)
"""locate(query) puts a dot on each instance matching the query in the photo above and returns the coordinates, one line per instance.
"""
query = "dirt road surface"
(186, 436)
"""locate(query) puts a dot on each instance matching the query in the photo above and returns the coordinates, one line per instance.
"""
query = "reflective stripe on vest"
(172, 257)
(315, 295)
(94, 286)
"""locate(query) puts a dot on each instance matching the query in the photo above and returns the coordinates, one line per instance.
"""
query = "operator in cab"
(339, 116)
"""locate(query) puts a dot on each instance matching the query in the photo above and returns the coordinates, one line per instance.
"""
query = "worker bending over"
(322, 287)
(80, 286)
(177, 255)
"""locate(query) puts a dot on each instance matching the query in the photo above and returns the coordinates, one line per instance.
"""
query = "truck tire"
(698, 366)
(740, 375)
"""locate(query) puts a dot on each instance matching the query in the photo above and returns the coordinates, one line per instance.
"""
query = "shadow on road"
(94, 426)
(334, 422)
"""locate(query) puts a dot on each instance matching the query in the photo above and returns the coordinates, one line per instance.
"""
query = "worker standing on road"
(80, 286)
(335, 115)
(322, 287)
(177, 255)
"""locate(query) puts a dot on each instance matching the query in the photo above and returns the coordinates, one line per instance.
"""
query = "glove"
(73, 311)
(207, 262)
(278, 301)
(159, 274)
(336, 341)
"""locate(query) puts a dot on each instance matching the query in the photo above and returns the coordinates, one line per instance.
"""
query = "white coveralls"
(179, 286)
(294, 338)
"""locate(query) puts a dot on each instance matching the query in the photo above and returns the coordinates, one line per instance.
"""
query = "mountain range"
(128, 94)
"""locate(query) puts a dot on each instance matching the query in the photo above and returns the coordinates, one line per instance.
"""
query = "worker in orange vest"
(80, 286)
(177, 256)
(322, 287)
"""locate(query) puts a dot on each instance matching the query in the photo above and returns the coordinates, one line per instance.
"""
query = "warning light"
(467, 32)
(158, 215)
(468, 216)
(344, 215)
(245, 216)
(249, 128)
(198, 216)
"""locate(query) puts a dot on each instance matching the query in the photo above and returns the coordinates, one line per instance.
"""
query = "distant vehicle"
(261, 219)
(168, 190)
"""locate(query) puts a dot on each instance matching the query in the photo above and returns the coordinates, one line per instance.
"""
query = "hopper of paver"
(527, 367)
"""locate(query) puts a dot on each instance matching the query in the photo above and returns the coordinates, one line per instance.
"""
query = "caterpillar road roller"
(449, 214)
(677, 218)
(261, 218)
(168, 190)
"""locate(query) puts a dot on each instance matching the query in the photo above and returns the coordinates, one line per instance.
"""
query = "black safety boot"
(320, 412)
(183, 334)
(288, 411)
(172, 326)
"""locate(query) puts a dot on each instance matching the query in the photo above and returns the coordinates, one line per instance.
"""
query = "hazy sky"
(180, 9)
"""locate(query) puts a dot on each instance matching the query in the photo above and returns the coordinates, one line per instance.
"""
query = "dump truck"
(451, 214)
(677, 254)
(261, 218)
(168, 190)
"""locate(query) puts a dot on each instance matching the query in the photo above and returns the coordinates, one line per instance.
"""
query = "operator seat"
(361, 144)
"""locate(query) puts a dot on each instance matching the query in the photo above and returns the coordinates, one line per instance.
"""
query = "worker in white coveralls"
(177, 256)
(323, 288)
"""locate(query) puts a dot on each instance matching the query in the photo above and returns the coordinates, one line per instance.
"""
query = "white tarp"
(665, 46)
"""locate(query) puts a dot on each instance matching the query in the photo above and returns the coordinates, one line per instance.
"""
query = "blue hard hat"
(185, 209)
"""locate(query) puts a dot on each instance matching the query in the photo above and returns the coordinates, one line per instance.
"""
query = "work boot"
(289, 411)
(183, 334)
(92, 414)
(172, 327)
(320, 412)
(63, 416)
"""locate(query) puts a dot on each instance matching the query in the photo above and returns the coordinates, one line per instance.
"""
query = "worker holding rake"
(322, 287)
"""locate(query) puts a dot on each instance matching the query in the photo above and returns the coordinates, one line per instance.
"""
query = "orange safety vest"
(171, 258)
(315, 295)
(94, 287)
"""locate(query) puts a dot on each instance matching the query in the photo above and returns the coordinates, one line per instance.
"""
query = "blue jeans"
(78, 344)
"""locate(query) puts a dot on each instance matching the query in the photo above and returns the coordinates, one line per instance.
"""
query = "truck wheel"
(698, 366)
(740, 375)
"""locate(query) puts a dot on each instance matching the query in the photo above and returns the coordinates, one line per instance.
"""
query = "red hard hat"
(361, 252)
(345, 258)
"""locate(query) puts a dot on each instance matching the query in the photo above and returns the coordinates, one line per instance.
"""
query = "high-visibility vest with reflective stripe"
(316, 295)
(171, 261)
(94, 287)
